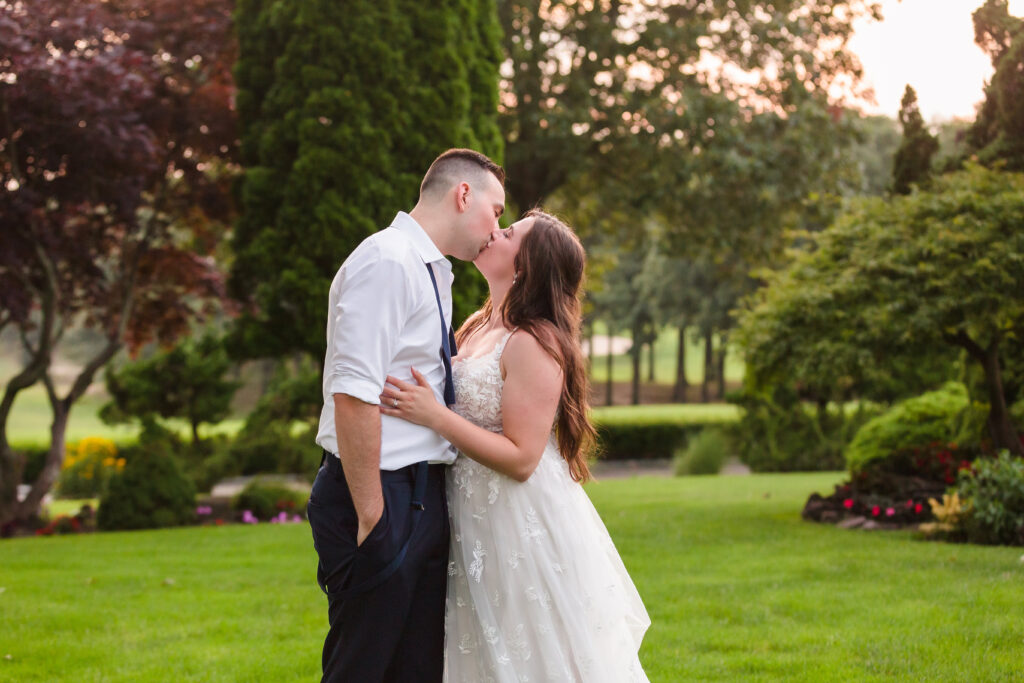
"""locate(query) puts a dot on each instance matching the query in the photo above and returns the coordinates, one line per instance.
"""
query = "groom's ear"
(462, 196)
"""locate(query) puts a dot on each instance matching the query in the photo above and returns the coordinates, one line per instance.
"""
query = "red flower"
(875, 511)
(910, 503)
(965, 464)
(848, 503)
(918, 508)
(218, 522)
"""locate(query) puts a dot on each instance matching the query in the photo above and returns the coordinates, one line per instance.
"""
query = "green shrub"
(35, 461)
(704, 454)
(993, 491)
(273, 448)
(931, 417)
(265, 501)
(87, 468)
(152, 492)
(778, 432)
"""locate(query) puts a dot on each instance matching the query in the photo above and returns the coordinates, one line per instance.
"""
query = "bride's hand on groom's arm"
(415, 403)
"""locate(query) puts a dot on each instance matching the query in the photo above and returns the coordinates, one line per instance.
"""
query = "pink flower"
(848, 503)
(889, 512)
(875, 511)
(249, 518)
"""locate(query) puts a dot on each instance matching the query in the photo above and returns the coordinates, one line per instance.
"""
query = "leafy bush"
(993, 490)
(151, 492)
(705, 453)
(273, 448)
(778, 432)
(266, 501)
(929, 418)
(35, 461)
(87, 468)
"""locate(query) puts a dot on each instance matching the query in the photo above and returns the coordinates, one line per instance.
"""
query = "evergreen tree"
(342, 107)
(913, 161)
(998, 131)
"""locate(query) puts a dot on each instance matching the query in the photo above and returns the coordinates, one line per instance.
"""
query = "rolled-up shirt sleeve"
(372, 306)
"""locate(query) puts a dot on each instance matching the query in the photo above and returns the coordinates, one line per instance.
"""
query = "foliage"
(913, 162)
(579, 84)
(266, 501)
(342, 107)
(152, 492)
(778, 432)
(274, 448)
(893, 289)
(997, 135)
(116, 145)
(896, 490)
(994, 491)
(704, 454)
(918, 421)
(88, 467)
(186, 381)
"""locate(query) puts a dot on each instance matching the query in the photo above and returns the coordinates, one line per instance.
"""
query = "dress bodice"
(478, 385)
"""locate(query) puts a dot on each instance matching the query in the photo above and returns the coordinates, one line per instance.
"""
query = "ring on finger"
(394, 403)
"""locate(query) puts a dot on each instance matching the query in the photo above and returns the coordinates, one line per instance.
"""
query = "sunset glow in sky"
(930, 45)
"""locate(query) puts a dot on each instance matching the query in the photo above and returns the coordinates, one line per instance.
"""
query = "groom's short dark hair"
(456, 165)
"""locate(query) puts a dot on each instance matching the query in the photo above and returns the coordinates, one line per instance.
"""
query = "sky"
(930, 45)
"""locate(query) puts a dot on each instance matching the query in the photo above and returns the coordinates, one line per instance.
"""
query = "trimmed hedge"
(654, 432)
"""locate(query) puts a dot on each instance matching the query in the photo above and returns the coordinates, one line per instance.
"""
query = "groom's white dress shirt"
(382, 321)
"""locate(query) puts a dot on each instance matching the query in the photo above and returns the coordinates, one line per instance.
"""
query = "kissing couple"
(454, 538)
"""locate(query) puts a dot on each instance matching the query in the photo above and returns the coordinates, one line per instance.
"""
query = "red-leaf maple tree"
(117, 150)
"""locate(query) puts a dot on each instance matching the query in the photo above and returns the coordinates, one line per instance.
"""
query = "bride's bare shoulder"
(524, 351)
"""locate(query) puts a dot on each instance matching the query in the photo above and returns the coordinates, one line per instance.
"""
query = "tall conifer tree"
(342, 107)
(913, 161)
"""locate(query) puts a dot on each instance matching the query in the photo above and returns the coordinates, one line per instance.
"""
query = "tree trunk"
(608, 364)
(720, 370)
(709, 367)
(1001, 429)
(1004, 434)
(29, 507)
(679, 391)
(590, 339)
(650, 362)
(636, 351)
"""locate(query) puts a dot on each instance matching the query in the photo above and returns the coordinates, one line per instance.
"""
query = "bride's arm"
(529, 401)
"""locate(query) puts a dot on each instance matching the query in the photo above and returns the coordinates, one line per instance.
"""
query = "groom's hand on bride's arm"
(358, 427)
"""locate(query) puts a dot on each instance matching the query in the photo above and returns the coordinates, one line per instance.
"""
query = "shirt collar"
(423, 245)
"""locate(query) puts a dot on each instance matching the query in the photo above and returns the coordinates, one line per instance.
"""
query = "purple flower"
(249, 518)
(204, 510)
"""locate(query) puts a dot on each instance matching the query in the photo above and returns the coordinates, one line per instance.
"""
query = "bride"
(536, 589)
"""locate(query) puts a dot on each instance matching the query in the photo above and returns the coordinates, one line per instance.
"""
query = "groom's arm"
(358, 428)
(371, 309)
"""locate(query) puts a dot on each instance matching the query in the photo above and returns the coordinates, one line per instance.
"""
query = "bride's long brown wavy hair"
(544, 301)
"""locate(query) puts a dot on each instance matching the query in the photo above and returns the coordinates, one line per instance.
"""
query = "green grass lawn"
(665, 347)
(737, 586)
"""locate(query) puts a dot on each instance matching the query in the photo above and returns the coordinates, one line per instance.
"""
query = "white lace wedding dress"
(536, 589)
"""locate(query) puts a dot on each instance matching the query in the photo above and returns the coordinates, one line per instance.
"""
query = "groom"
(377, 509)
